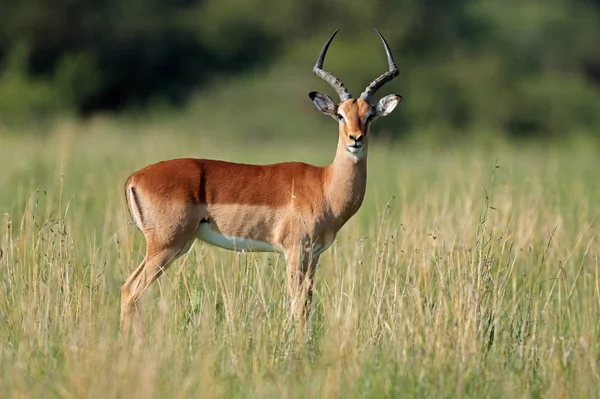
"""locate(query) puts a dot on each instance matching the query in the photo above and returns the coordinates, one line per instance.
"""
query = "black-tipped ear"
(323, 102)
(387, 104)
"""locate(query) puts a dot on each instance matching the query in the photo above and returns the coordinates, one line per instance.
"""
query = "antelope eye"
(369, 118)
(340, 117)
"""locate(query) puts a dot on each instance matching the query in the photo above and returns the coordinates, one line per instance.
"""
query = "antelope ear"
(387, 104)
(324, 103)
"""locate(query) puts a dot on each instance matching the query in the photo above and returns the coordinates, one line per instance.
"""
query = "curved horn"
(386, 77)
(334, 82)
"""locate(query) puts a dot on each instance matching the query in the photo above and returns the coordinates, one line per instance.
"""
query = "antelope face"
(354, 118)
(355, 115)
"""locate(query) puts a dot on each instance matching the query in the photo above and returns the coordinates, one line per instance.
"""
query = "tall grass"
(468, 272)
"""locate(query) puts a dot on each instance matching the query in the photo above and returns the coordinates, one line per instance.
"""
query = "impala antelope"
(291, 208)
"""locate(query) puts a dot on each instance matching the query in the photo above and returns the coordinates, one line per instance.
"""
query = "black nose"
(358, 140)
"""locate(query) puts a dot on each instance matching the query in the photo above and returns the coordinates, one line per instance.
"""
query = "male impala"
(291, 208)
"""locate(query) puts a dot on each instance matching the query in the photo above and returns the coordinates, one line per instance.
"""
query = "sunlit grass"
(468, 272)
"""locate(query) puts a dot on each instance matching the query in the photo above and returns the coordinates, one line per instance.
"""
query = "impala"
(291, 208)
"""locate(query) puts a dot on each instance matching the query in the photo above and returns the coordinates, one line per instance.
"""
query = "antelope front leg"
(310, 280)
(301, 266)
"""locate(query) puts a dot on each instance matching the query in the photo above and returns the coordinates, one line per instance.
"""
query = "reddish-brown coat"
(209, 182)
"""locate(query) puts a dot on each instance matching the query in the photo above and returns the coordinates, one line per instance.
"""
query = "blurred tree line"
(528, 67)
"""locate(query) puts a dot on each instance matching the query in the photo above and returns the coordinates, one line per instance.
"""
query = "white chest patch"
(355, 155)
(205, 233)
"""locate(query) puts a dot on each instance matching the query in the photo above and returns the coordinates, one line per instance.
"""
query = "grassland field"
(470, 271)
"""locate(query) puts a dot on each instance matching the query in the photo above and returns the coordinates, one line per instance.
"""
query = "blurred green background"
(521, 69)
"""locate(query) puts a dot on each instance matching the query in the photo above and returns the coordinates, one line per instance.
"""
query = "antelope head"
(355, 115)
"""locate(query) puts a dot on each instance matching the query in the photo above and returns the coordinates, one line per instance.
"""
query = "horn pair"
(338, 85)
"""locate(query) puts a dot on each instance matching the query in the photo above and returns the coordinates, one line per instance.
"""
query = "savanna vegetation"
(470, 271)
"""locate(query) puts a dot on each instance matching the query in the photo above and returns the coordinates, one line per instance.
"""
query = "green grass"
(456, 278)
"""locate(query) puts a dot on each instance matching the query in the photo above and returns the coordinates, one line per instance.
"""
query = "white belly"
(205, 233)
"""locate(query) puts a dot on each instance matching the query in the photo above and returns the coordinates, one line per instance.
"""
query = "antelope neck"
(346, 180)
